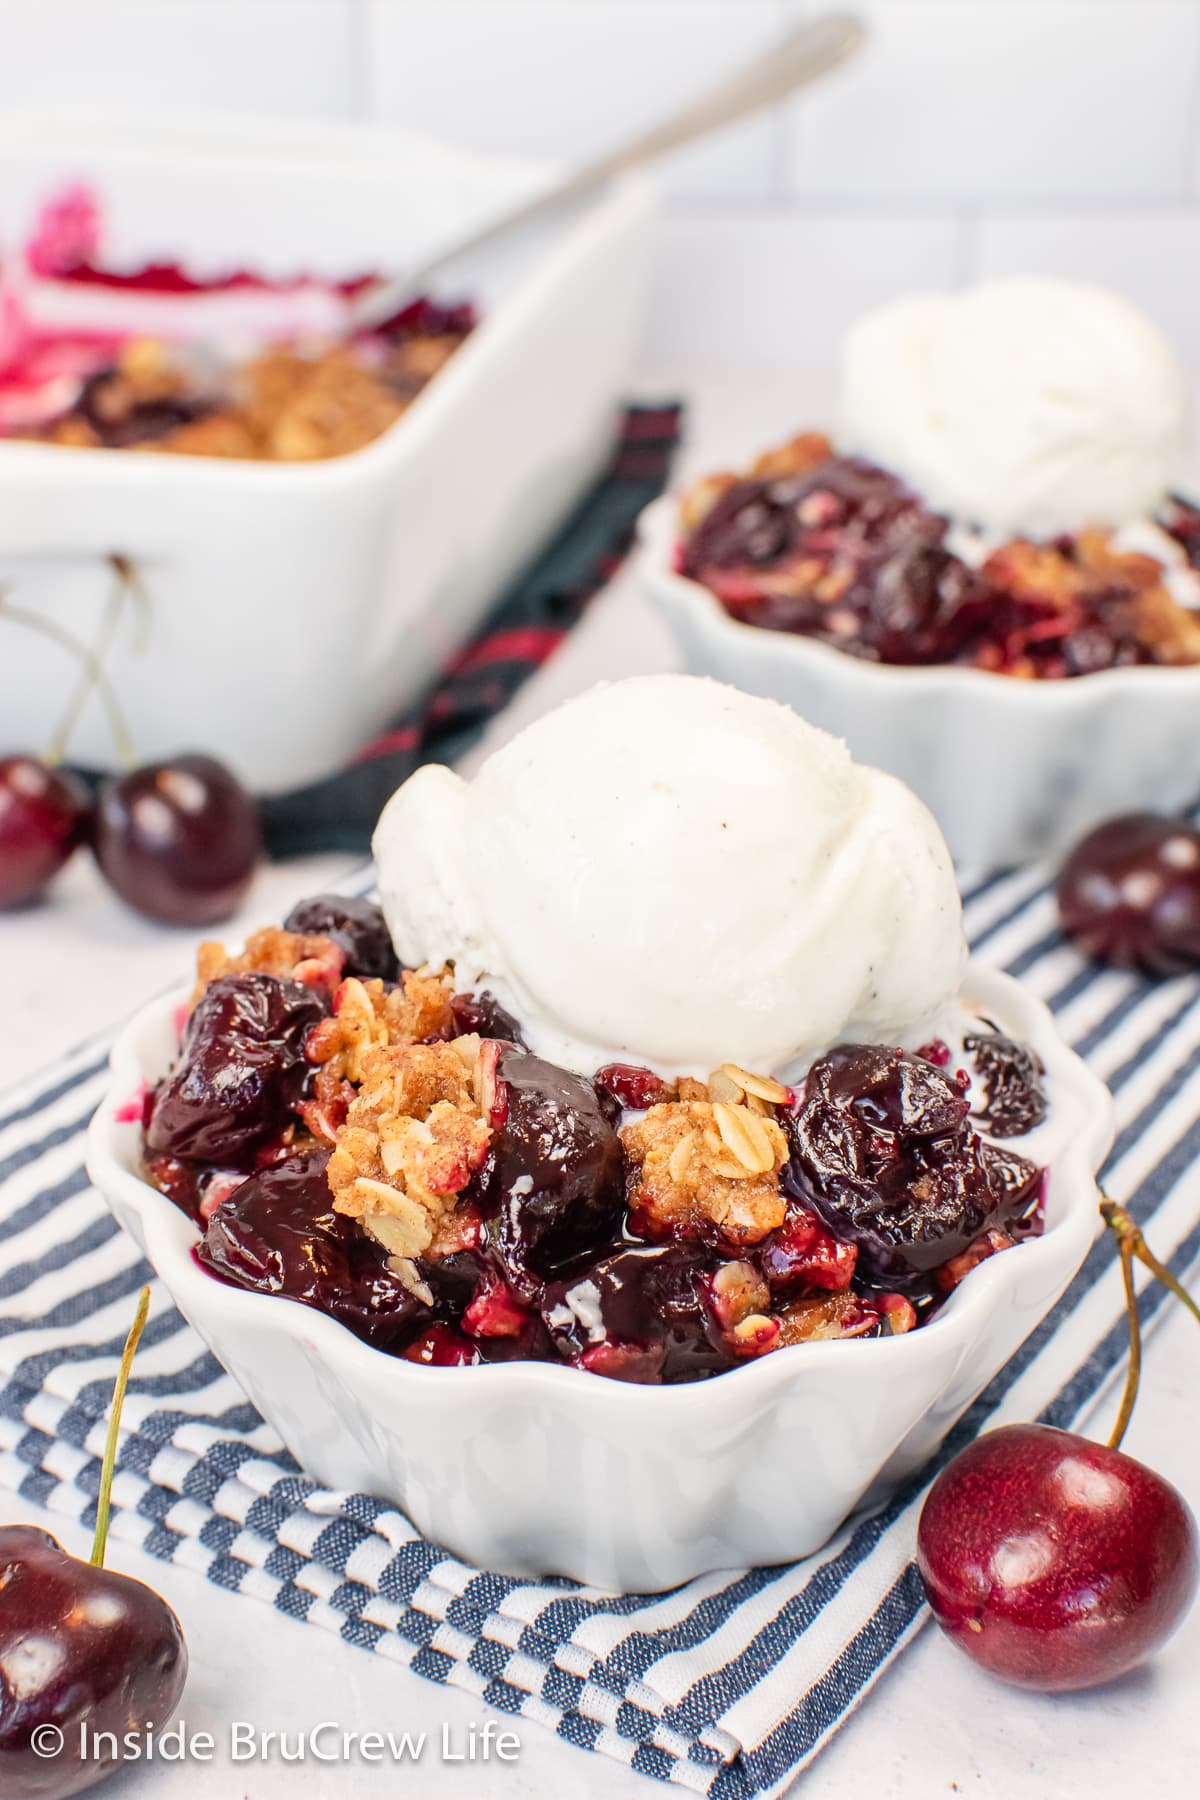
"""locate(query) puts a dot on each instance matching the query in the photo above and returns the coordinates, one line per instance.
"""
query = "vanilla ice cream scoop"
(667, 871)
(1022, 405)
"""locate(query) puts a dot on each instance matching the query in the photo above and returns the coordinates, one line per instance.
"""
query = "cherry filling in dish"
(365, 1140)
(834, 548)
(289, 403)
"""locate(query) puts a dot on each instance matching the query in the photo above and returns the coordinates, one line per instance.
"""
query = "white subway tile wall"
(972, 137)
(564, 78)
(226, 56)
(775, 291)
(981, 101)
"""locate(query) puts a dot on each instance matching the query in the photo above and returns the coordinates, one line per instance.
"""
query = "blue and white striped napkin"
(727, 1686)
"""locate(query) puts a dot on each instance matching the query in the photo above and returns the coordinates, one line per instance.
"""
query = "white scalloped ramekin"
(536, 1469)
(1010, 769)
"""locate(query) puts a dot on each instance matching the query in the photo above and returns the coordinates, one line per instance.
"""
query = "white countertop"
(931, 1726)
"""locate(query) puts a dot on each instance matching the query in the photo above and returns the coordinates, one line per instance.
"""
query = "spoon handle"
(802, 55)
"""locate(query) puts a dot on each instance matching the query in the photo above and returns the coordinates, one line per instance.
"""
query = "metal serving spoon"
(801, 56)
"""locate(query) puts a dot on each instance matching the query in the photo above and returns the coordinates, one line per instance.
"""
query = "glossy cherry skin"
(1054, 1562)
(639, 1315)
(483, 1013)
(278, 1234)
(78, 1645)
(178, 840)
(43, 816)
(357, 927)
(240, 1072)
(883, 1153)
(1129, 893)
(553, 1181)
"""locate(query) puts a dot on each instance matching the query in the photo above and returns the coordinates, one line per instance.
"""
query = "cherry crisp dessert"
(366, 1140)
(286, 404)
(834, 548)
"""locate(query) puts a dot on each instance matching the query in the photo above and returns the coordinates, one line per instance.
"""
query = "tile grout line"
(721, 208)
(1190, 173)
(359, 35)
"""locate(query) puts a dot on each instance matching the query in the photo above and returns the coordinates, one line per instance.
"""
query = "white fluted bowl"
(535, 1468)
(1010, 769)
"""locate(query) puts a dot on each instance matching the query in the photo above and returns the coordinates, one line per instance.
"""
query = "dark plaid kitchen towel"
(727, 1686)
(527, 625)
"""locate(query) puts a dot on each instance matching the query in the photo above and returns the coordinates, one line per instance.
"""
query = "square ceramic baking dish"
(295, 608)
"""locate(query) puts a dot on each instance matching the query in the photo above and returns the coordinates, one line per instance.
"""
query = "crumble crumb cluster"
(314, 961)
(367, 1015)
(413, 1137)
(831, 1316)
(697, 1162)
(838, 549)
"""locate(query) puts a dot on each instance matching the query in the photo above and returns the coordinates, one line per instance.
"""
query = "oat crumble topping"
(281, 406)
(697, 1162)
(313, 961)
(413, 1137)
(368, 1016)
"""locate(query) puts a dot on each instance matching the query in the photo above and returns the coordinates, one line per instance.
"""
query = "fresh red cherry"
(83, 1650)
(178, 840)
(1055, 1562)
(80, 1649)
(1129, 893)
(43, 816)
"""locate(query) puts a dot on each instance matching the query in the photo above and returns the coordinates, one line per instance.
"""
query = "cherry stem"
(1133, 1373)
(1131, 1244)
(94, 676)
(104, 1496)
(122, 588)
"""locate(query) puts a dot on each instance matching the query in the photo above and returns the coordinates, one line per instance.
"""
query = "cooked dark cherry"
(182, 1182)
(1054, 1562)
(1015, 1100)
(921, 605)
(553, 1182)
(426, 317)
(112, 408)
(632, 1086)
(1129, 893)
(803, 1258)
(484, 1014)
(883, 1152)
(79, 1645)
(240, 1071)
(756, 521)
(641, 1315)
(178, 840)
(357, 927)
(891, 590)
(278, 1234)
(43, 817)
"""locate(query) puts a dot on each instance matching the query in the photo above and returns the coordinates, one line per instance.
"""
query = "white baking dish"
(1010, 769)
(535, 1468)
(294, 609)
